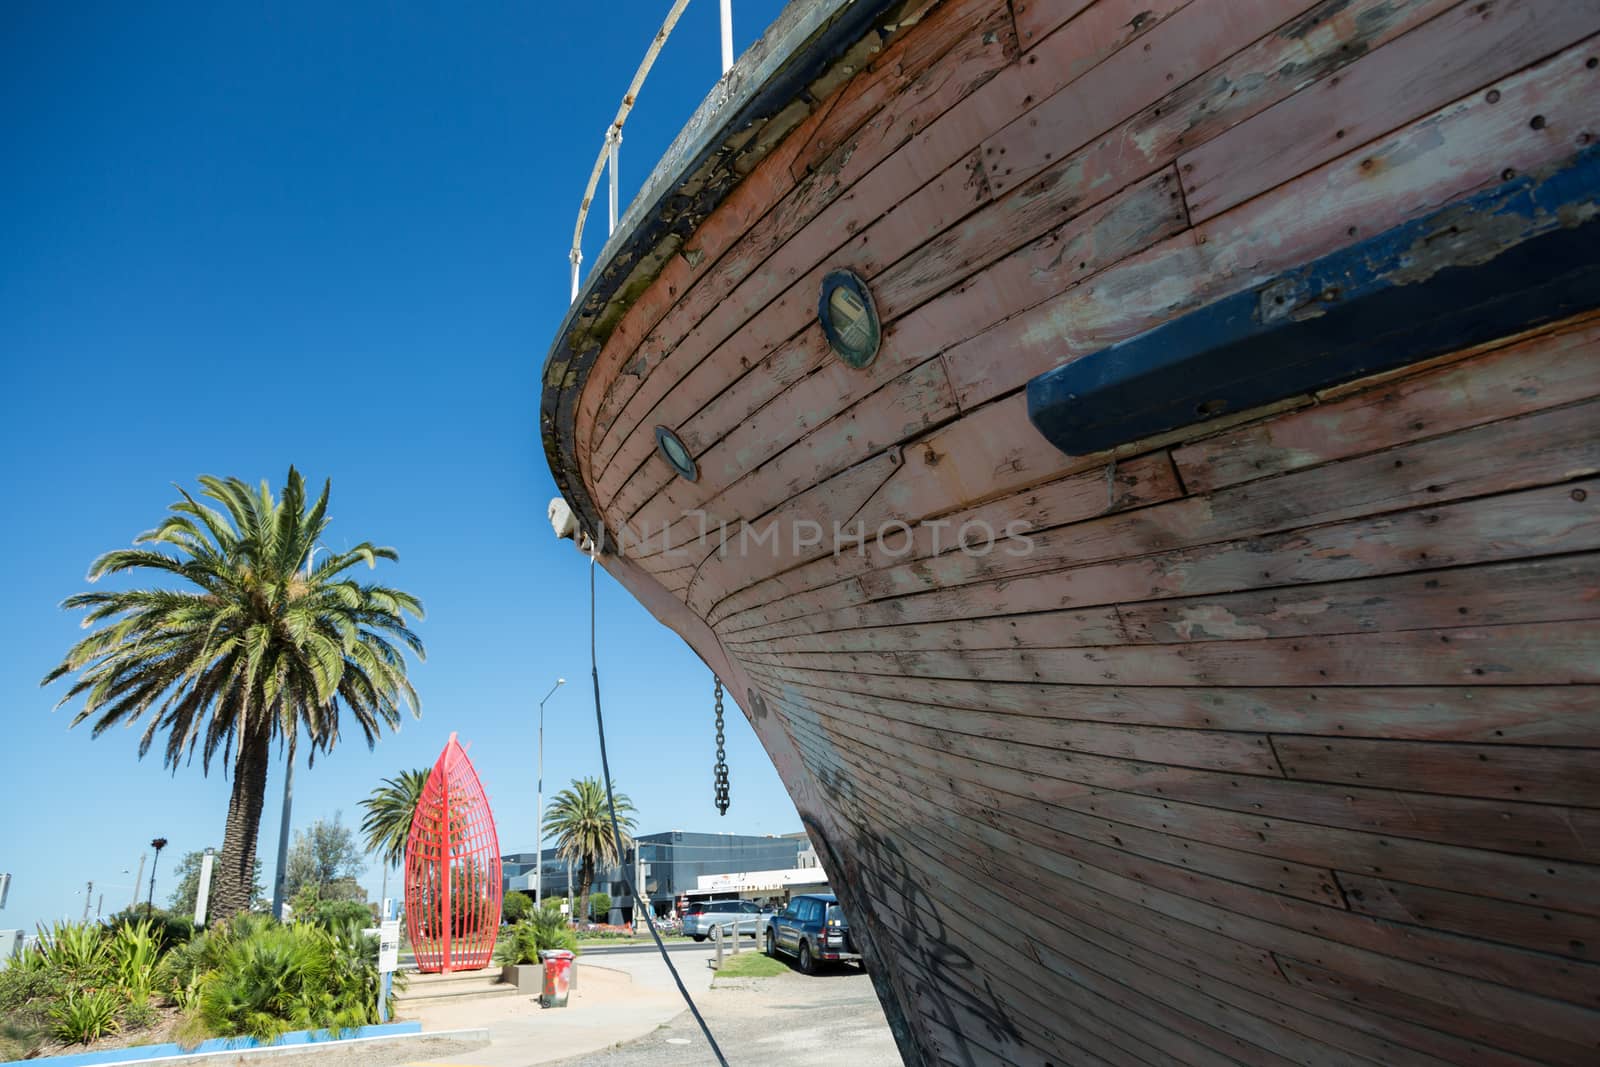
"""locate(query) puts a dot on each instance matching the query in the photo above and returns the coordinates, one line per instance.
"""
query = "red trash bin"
(557, 977)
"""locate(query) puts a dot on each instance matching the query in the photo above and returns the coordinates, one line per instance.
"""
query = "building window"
(849, 318)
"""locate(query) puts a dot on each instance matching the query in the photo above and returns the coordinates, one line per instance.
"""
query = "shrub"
(270, 978)
(600, 906)
(134, 951)
(171, 929)
(79, 952)
(140, 1016)
(334, 914)
(28, 987)
(83, 1014)
(523, 942)
(516, 906)
(552, 904)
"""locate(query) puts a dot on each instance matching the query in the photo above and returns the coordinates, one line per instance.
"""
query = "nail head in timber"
(453, 891)
(849, 318)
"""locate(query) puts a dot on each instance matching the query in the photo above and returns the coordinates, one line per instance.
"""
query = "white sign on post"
(389, 945)
(565, 907)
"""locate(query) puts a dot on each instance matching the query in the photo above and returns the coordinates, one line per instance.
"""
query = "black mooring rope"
(616, 834)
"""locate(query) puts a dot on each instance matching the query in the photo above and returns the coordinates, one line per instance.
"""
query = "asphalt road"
(831, 1019)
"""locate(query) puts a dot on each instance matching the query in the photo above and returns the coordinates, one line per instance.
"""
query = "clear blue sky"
(237, 236)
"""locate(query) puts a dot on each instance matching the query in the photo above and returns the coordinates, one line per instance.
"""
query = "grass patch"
(751, 965)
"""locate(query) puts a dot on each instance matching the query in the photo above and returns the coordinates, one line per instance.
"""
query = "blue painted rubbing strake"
(1523, 253)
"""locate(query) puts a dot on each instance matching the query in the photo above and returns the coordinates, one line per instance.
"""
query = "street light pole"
(158, 844)
(281, 875)
(538, 833)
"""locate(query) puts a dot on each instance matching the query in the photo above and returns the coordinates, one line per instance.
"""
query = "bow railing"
(611, 148)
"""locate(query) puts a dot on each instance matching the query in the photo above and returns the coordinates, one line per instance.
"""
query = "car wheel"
(699, 937)
(772, 944)
(808, 965)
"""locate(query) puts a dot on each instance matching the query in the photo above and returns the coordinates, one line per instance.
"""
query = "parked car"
(812, 929)
(703, 916)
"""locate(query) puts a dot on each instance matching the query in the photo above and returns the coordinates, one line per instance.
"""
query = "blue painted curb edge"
(135, 1053)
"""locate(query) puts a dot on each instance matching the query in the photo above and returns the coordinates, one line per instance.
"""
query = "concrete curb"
(453, 1041)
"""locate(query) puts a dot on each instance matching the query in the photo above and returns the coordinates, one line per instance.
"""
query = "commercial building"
(674, 864)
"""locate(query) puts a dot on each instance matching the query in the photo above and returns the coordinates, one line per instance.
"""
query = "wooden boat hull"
(1264, 734)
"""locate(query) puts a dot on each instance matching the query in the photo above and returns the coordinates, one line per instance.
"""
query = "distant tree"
(600, 906)
(390, 808)
(516, 906)
(326, 859)
(580, 820)
(183, 897)
(245, 645)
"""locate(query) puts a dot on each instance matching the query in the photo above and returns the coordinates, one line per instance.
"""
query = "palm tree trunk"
(236, 864)
(585, 880)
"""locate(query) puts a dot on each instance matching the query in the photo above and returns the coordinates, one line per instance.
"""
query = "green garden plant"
(79, 952)
(135, 950)
(522, 943)
(516, 906)
(83, 1014)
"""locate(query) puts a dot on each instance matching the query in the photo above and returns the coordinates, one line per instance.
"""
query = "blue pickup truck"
(812, 929)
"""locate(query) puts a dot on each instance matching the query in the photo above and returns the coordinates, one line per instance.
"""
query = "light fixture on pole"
(158, 844)
(538, 833)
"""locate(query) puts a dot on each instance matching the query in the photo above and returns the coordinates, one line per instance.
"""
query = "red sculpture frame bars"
(452, 845)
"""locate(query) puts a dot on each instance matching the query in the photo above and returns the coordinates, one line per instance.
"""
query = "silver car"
(703, 916)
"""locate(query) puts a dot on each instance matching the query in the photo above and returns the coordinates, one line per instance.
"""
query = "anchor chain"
(720, 774)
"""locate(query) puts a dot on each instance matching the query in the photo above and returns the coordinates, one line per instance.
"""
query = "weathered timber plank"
(1554, 368)
(1096, 626)
(1550, 1047)
(738, 212)
(693, 374)
(1320, 41)
(1224, 963)
(1138, 1020)
(794, 237)
(917, 399)
(899, 71)
(1036, 19)
(1514, 454)
(1528, 715)
(1440, 61)
(1556, 885)
(1546, 590)
(1142, 481)
(1210, 749)
(1191, 41)
(1449, 969)
(1534, 829)
(792, 542)
(1530, 926)
(1531, 654)
(973, 61)
(1501, 772)
(1431, 162)
(1134, 218)
(1545, 521)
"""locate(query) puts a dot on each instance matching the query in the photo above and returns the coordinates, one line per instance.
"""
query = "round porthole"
(849, 318)
(677, 456)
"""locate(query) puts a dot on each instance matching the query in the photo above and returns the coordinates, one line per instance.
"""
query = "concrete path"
(624, 997)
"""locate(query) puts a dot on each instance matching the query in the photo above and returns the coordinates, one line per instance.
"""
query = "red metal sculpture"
(452, 869)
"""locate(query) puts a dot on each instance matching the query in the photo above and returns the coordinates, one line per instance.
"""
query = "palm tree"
(249, 650)
(581, 821)
(389, 811)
